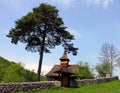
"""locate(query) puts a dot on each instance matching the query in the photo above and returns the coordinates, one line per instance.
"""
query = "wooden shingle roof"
(71, 68)
(64, 70)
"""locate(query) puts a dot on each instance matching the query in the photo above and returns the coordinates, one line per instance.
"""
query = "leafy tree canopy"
(85, 71)
(103, 69)
(43, 21)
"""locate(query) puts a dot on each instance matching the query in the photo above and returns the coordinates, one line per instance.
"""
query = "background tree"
(109, 53)
(42, 30)
(85, 71)
(103, 69)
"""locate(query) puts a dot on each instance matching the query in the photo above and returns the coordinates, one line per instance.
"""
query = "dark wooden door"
(65, 80)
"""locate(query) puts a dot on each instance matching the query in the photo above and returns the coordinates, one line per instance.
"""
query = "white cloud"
(74, 32)
(15, 3)
(34, 67)
(106, 3)
(98, 3)
(64, 2)
(46, 69)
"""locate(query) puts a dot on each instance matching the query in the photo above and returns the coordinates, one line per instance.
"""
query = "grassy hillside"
(111, 87)
(14, 72)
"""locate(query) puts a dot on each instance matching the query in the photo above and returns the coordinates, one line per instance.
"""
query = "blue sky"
(92, 22)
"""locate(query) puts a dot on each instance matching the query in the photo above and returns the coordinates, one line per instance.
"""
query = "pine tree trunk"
(41, 58)
(40, 66)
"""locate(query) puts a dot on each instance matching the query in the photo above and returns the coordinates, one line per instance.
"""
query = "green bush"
(85, 71)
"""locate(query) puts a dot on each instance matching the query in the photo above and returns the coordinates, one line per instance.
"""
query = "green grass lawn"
(111, 87)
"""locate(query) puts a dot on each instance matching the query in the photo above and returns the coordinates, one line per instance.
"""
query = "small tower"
(64, 61)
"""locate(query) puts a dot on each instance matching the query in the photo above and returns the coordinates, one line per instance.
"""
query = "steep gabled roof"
(64, 70)
(71, 68)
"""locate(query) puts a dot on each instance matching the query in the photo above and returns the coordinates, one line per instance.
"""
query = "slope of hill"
(14, 72)
(110, 87)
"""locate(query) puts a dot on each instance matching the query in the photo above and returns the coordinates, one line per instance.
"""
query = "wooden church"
(63, 72)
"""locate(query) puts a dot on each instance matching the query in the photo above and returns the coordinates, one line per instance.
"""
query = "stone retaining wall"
(26, 86)
(83, 82)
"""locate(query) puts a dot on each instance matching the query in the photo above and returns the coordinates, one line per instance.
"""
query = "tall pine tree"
(42, 30)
